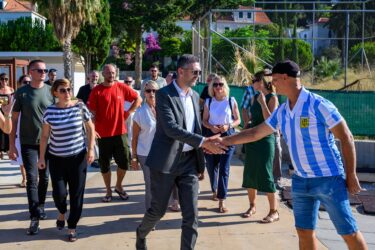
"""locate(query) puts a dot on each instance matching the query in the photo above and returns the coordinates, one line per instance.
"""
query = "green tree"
(93, 40)
(25, 35)
(67, 17)
(224, 52)
(136, 17)
(295, 45)
(303, 50)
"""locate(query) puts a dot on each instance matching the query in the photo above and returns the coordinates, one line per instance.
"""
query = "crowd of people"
(173, 135)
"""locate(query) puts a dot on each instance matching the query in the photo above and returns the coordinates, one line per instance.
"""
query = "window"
(249, 15)
(240, 14)
(227, 29)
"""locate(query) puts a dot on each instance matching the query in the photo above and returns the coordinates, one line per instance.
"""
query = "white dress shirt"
(187, 103)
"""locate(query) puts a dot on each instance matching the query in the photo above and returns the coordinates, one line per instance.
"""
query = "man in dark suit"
(176, 155)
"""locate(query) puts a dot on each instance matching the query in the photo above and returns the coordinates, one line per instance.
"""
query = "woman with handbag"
(220, 116)
(63, 124)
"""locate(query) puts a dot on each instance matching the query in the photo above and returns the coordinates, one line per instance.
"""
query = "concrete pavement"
(112, 225)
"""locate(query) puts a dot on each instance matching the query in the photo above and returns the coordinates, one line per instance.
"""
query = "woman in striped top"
(63, 125)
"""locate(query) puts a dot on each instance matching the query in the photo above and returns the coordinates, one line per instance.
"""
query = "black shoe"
(42, 214)
(95, 164)
(140, 243)
(60, 224)
(34, 227)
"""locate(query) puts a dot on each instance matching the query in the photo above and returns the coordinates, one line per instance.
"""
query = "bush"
(25, 35)
(331, 53)
(328, 68)
(369, 49)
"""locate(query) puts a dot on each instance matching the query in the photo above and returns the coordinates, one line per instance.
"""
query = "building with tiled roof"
(14, 9)
(241, 17)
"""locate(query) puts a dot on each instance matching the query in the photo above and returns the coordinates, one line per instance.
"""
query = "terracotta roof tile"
(18, 6)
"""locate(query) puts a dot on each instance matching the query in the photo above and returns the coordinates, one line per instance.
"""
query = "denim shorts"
(307, 193)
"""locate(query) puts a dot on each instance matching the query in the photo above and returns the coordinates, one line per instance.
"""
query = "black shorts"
(116, 147)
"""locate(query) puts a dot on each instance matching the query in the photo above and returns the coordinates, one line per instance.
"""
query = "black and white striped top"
(67, 135)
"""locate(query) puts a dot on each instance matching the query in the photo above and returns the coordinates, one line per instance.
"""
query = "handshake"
(215, 145)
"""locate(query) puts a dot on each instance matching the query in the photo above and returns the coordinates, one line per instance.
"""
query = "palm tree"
(67, 17)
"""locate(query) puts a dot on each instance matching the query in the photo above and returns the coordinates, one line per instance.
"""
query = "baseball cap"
(287, 67)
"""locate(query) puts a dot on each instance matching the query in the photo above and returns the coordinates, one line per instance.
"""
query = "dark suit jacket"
(171, 133)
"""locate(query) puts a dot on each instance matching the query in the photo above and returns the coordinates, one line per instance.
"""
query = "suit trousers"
(185, 177)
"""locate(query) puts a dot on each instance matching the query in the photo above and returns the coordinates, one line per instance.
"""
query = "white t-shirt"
(220, 112)
(147, 122)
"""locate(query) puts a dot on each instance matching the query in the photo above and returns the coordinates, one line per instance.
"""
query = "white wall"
(8, 16)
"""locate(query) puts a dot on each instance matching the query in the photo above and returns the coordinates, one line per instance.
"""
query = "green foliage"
(224, 52)
(186, 44)
(93, 40)
(201, 7)
(24, 35)
(305, 56)
(369, 48)
(328, 68)
(170, 46)
(331, 52)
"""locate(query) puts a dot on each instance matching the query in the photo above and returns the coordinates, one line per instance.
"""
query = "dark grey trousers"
(185, 177)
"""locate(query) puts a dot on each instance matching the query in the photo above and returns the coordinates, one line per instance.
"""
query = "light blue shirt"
(306, 130)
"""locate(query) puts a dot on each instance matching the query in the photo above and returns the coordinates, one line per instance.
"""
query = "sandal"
(72, 237)
(214, 196)
(107, 198)
(175, 207)
(22, 184)
(249, 212)
(60, 224)
(271, 217)
(222, 208)
(123, 195)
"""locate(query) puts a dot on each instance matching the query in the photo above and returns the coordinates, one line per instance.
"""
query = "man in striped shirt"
(310, 124)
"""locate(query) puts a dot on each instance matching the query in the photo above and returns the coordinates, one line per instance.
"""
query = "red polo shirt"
(107, 102)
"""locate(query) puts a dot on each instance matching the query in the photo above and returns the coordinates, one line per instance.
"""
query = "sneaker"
(42, 213)
(34, 227)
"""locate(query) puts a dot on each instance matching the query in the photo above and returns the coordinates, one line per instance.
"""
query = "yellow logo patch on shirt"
(304, 122)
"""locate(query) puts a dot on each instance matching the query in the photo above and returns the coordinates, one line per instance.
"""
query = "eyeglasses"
(195, 72)
(218, 84)
(153, 70)
(63, 90)
(4, 79)
(150, 90)
(41, 71)
(26, 82)
(128, 81)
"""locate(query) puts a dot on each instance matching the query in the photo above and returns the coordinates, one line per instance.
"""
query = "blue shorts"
(307, 193)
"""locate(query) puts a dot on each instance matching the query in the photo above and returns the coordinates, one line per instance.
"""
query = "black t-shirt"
(204, 95)
(48, 83)
(84, 93)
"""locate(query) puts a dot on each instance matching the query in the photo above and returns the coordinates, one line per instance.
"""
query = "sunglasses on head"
(64, 90)
(218, 84)
(150, 90)
(4, 79)
(41, 71)
(256, 80)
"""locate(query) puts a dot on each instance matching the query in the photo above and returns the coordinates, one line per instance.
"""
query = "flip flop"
(123, 195)
(107, 198)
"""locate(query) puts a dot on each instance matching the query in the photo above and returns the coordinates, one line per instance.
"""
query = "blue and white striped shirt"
(67, 136)
(306, 130)
(250, 92)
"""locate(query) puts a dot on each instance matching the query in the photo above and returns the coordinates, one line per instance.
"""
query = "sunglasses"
(150, 90)
(128, 81)
(26, 82)
(218, 84)
(153, 70)
(63, 90)
(41, 71)
(4, 79)
(256, 80)
(195, 72)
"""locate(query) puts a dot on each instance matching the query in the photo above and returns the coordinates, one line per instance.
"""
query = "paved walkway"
(112, 225)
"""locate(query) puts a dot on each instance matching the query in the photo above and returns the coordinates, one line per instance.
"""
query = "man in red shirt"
(106, 102)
